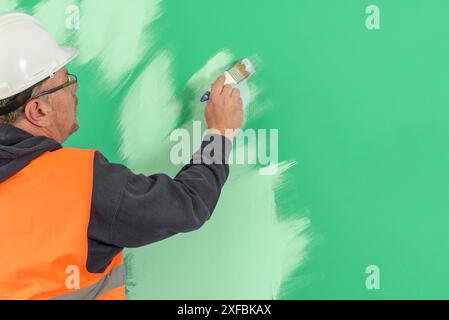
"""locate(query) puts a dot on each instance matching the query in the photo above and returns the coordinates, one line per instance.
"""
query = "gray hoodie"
(131, 210)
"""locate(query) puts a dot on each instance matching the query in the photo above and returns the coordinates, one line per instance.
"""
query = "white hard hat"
(28, 54)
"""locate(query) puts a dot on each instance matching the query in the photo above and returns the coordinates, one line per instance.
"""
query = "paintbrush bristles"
(242, 70)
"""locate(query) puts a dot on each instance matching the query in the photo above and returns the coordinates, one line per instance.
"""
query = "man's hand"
(224, 111)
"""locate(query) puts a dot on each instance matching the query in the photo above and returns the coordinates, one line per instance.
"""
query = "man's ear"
(38, 113)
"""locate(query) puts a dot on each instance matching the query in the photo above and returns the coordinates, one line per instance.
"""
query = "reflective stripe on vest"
(116, 278)
(45, 213)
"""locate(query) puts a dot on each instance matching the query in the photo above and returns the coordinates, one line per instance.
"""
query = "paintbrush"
(241, 71)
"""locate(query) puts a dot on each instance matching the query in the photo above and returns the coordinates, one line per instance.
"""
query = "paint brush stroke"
(113, 34)
(239, 254)
(8, 5)
(149, 113)
(52, 15)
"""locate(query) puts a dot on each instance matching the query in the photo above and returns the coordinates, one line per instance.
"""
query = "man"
(68, 213)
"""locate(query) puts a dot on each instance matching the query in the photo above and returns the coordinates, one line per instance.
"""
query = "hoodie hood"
(18, 148)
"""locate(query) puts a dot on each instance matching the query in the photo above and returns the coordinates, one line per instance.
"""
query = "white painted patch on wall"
(112, 34)
(8, 5)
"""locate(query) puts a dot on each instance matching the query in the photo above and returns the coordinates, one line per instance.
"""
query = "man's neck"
(35, 131)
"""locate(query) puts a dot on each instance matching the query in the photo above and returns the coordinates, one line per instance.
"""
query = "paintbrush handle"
(205, 97)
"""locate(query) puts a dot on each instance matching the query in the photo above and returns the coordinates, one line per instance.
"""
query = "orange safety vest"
(44, 214)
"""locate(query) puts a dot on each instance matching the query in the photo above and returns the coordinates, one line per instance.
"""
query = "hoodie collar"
(18, 148)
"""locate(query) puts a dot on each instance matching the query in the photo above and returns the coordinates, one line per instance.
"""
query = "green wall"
(363, 129)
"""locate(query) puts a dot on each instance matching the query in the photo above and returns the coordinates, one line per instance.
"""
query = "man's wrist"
(229, 134)
(216, 148)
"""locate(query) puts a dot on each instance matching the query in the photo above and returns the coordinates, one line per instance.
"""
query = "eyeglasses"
(72, 79)
(25, 96)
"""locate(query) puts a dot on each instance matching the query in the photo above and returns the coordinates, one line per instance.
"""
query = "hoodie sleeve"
(132, 210)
